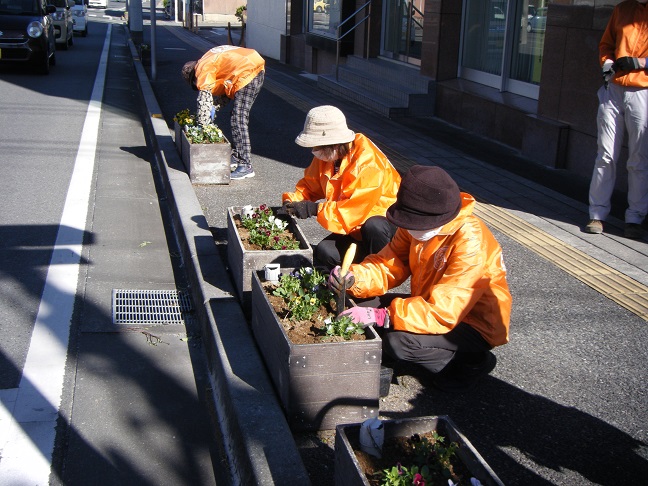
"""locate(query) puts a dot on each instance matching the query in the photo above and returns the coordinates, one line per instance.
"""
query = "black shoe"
(463, 376)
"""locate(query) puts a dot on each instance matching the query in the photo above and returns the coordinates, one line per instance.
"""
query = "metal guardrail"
(340, 36)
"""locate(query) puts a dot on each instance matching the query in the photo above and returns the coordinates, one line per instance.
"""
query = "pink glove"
(368, 316)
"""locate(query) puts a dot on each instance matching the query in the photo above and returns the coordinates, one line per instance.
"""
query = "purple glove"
(368, 316)
(336, 283)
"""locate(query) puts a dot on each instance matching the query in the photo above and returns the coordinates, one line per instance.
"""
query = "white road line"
(28, 415)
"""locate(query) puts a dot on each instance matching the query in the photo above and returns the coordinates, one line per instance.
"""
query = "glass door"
(402, 30)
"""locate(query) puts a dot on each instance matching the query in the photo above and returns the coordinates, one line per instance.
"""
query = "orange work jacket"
(457, 276)
(626, 34)
(365, 186)
(224, 70)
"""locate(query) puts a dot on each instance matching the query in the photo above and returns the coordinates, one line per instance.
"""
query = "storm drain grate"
(150, 306)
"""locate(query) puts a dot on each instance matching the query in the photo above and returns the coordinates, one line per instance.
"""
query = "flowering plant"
(204, 134)
(183, 118)
(304, 291)
(266, 230)
(431, 460)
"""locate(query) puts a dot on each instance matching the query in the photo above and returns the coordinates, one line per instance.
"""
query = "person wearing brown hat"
(460, 305)
(354, 182)
(228, 72)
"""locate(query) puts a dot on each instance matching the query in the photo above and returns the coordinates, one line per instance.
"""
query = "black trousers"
(434, 352)
(376, 232)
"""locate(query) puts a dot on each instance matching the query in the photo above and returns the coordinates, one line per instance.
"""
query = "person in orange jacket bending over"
(355, 181)
(460, 304)
(229, 72)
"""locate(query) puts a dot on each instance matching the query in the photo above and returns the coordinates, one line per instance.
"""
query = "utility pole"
(135, 23)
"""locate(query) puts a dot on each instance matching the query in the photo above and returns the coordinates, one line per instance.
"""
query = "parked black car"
(27, 33)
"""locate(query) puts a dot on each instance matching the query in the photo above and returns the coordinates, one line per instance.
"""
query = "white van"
(99, 3)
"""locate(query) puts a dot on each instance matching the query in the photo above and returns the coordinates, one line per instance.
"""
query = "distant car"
(321, 6)
(63, 22)
(99, 3)
(538, 23)
(80, 13)
(27, 33)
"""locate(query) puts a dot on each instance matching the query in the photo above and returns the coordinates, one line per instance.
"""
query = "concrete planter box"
(347, 440)
(207, 163)
(319, 385)
(178, 137)
(243, 262)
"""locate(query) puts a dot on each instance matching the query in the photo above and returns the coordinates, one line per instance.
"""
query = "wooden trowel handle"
(348, 259)
(344, 269)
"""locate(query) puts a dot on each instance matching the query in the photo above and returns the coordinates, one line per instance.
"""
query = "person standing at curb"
(355, 181)
(228, 72)
(623, 104)
(459, 307)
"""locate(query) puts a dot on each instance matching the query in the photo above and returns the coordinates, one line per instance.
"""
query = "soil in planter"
(399, 450)
(244, 233)
(305, 332)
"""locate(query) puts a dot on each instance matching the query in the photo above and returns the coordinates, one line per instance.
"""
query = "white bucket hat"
(325, 125)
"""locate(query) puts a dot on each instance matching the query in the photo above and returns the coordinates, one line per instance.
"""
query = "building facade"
(521, 72)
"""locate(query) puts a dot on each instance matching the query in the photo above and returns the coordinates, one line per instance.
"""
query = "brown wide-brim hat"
(325, 125)
(427, 198)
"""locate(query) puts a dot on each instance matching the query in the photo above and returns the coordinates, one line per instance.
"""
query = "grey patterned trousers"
(243, 100)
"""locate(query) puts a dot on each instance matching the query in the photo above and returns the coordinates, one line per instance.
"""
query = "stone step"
(352, 93)
(382, 86)
(395, 72)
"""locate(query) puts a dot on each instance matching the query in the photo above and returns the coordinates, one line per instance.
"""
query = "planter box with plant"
(182, 119)
(325, 371)
(274, 239)
(204, 150)
(420, 450)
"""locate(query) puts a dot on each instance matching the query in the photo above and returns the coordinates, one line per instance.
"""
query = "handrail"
(340, 37)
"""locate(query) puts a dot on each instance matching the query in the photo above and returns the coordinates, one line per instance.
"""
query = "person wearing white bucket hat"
(354, 182)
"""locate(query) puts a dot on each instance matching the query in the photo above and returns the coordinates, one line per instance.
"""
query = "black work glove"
(337, 283)
(626, 64)
(301, 209)
(283, 210)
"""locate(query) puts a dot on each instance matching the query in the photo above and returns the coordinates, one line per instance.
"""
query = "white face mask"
(327, 154)
(424, 235)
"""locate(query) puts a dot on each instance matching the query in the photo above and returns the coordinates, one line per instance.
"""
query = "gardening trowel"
(346, 263)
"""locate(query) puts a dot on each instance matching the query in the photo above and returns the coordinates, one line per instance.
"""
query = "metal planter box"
(319, 385)
(347, 439)
(243, 262)
(207, 163)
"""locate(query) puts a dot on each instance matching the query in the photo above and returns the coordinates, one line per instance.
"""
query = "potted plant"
(419, 450)
(181, 120)
(145, 54)
(206, 154)
(321, 382)
(241, 14)
(244, 259)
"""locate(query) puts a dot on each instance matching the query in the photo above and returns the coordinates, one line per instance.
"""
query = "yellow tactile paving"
(625, 291)
(614, 285)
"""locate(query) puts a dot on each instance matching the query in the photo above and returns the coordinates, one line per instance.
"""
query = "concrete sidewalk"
(567, 403)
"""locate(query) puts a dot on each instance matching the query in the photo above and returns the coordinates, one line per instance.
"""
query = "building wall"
(557, 130)
(266, 27)
(224, 7)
